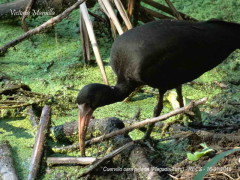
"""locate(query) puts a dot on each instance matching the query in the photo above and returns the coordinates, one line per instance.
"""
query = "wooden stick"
(176, 13)
(70, 160)
(7, 170)
(113, 28)
(84, 40)
(107, 157)
(130, 8)
(39, 142)
(93, 40)
(103, 8)
(147, 121)
(51, 22)
(112, 15)
(123, 13)
(166, 9)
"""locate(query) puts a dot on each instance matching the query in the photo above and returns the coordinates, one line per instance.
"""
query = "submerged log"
(7, 170)
(39, 142)
(96, 127)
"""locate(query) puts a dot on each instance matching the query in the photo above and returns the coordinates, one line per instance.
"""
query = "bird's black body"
(162, 54)
(165, 54)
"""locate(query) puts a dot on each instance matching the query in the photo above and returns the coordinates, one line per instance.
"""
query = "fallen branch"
(70, 160)
(39, 142)
(38, 29)
(7, 170)
(68, 129)
(147, 121)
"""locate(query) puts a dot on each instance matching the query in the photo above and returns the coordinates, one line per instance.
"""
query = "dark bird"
(162, 54)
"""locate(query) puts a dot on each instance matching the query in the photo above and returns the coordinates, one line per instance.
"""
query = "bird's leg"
(180, 96)
(157, 111)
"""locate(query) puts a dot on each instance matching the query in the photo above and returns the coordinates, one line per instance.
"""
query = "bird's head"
(89, 98)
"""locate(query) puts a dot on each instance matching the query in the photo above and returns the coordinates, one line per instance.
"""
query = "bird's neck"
(121, 91)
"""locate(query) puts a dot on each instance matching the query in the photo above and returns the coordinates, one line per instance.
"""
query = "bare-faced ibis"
(163, 54)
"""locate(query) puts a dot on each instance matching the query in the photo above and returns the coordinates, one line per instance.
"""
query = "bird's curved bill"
(85, 114)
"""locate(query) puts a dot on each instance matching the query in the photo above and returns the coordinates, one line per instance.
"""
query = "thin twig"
(131, 127)
(147, 121)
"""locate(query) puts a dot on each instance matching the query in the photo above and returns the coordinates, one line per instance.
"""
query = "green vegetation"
(198, 154)
(52, 65)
